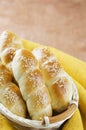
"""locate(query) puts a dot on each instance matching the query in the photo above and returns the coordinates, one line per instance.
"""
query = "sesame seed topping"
(28, 62)
(3, 77)
(42, 97)
(62, 82)
(46, 54)
(35, 78)
(42, 54)
(11, 51)
(10, 95)
(52, 67)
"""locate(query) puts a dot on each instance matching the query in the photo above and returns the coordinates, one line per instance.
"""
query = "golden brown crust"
(25, 61)
(48, 62)
(9, 39)
(58, 82)
(5, 75)
(10, 95)
(32, 80)
(25, 68)
(31, 84)
(9, 43)
(61, 94)
(50, 69)
(7, 55)
(43, 54)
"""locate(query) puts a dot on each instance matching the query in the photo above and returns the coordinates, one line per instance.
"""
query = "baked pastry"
(58, 82)
(56, 79)
(10, 95)
(29, 77)
(9, 43)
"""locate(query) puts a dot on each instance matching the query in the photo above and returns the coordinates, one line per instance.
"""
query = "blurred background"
(58, 23)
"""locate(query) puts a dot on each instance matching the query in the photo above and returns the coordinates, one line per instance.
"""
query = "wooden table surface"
(59, 23)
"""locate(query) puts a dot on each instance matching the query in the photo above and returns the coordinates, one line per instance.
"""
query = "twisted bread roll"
(57, 80)
(10, 95)
(30, 80)
(9, 43)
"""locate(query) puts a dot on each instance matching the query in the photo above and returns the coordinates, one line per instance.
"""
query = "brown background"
(59, 23)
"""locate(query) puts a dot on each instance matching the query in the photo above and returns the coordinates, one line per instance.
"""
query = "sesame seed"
(11, 52)
(10, 95)
(28, 62)
(62, 82)
(52, 67)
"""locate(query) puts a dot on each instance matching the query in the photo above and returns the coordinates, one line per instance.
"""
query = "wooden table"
(59, 23)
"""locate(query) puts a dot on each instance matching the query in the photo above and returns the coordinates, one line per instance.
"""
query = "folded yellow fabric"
(82, 102)
(84, 120)
(82, 97)
(5, 124)
(74, 123)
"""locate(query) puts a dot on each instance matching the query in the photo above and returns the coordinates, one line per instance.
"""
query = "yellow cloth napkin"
(77, 70)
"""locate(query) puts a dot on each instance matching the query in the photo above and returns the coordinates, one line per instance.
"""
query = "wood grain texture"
(59, 23)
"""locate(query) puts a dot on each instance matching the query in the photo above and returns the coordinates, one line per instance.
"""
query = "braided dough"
(57, 80)
(43, 83)
(9, 43)
(31, 83)
(10, 95)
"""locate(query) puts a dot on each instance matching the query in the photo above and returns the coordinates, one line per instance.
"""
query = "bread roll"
(29, 77)
(9, 43)
(10, 95)
(57, 80)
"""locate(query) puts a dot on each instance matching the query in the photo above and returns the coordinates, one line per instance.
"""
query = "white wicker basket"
(48, 123)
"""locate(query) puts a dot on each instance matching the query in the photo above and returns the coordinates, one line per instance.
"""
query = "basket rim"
(48, 122)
